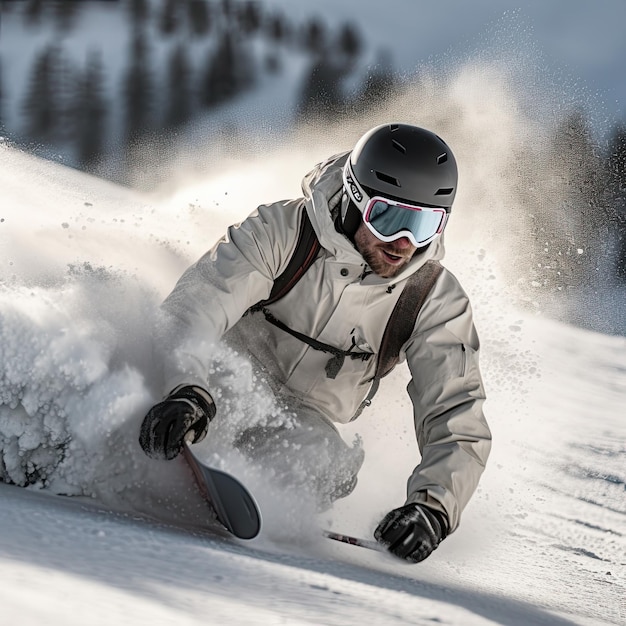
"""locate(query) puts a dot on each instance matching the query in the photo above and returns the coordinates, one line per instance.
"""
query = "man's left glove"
(184, 414)
(412, 532)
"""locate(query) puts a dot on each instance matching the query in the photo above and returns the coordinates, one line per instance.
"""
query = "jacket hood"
(323, 189)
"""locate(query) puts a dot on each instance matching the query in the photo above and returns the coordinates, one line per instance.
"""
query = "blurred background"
(85, 81)
(123, 88)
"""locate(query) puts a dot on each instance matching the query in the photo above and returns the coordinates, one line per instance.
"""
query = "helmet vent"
(442, 158)
(398, 146)
(387, 179)
(444, 191)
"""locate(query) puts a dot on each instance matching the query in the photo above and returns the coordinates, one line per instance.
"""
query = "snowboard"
(236, 508)
(233, 504)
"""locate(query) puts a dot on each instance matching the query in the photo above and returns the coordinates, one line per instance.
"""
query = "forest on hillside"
(218, 50)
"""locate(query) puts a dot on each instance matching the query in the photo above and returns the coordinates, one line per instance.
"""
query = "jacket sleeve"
(447, 393)
(213, 294)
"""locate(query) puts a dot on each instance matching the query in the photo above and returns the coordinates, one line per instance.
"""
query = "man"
(379, 213)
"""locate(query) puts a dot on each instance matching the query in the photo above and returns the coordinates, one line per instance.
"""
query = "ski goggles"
(390, 219)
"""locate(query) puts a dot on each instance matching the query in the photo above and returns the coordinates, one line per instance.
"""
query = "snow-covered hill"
(83, 266)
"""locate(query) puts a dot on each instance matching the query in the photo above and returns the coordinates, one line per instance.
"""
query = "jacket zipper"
(463, 360)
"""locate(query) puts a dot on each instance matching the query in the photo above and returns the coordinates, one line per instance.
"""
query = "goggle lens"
(390, 220)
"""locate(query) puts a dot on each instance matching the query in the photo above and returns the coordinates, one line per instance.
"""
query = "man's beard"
(378, 265)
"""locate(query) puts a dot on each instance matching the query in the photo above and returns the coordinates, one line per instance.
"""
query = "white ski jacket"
(338, 302)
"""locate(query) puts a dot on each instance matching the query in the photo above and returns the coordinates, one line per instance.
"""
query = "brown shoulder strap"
(401, 323)
(404, 315)
(305, 252)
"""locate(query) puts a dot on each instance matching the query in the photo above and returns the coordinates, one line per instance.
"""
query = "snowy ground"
(83, 265)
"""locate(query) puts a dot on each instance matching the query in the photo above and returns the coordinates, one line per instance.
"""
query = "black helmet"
(401, 163)
(405, 163)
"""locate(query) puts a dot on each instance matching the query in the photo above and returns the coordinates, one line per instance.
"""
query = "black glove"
(185, 413)
(412, 532)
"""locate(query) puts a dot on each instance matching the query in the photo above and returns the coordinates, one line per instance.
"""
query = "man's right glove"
(412, 532)
(184, 414)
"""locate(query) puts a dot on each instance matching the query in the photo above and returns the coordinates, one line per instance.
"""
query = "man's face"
(384, 258)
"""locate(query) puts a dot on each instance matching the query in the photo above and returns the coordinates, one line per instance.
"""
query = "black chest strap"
(335, 363)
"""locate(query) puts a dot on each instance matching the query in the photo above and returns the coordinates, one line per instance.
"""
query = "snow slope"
(83, 266)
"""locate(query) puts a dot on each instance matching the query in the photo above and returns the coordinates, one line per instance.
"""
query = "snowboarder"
(378, 212)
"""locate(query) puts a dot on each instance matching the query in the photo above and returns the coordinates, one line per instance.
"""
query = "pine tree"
(33, 12)
(199, 16)
(315, 37)
(571, 231)
(249, 17)
(1, 99)
(169, 21)
(379, 84)
(322, 95)
(616, 164)
(139, 11)
(179, 72)
(42, 106)
(349, 41)
(277, 28)
(65, 13)
(227, 9)
(229, 70)
(90, 112)
(138, 90)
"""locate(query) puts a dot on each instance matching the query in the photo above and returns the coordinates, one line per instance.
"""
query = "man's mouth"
(394, 259)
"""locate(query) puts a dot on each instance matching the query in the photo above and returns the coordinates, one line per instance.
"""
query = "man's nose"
(402, 243)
